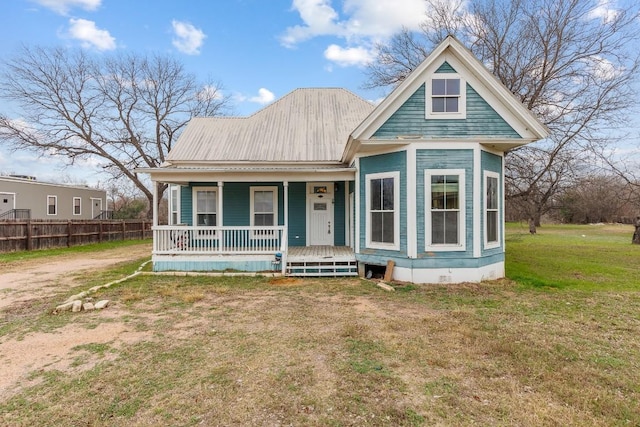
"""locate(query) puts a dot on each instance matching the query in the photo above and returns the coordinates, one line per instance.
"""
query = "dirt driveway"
(43, 277)
(23, 282)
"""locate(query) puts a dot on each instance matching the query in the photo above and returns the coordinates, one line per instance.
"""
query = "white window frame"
(487, 243)
(252, 191)
(395, 246)
(55, 205)
(462, 98)
(73, 206)
(462, 236)
(175, 197)
(195, 204)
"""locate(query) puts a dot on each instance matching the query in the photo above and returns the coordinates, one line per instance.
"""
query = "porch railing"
(227, 240)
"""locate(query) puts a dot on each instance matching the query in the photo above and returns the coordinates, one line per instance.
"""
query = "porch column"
(155, 202)
(219, 223)
(219, 218)
(285, 233)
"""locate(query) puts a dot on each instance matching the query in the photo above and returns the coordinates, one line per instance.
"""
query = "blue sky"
(259, 50)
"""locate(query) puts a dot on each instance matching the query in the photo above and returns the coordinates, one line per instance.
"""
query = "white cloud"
(358, 56)
(63, 6)
(188, 39)
(209, 93)
(605, 11)
(265, 96)
(370, 19)
(90, 35)
(602, 68)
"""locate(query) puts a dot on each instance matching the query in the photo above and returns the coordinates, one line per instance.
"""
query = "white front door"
(7, 202)
(96, 207)
(320, 209)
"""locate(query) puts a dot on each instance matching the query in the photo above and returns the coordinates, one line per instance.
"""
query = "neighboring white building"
(45, 200)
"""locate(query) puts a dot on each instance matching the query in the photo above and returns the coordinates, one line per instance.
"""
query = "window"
(491, 203)
(77, 206)
(174, 205)
(264, 209)
(446, 97)
(383, 214)
(445, 219)
(206, 206)
(52, 205)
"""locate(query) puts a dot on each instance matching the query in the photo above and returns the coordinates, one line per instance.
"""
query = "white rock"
(65, 307)
(77, 306)
(87, 306)
(102, 304)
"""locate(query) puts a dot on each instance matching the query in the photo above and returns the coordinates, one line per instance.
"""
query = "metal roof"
(306, 125)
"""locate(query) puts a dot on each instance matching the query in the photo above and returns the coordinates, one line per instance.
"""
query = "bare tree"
(125, 111)
(572, 62)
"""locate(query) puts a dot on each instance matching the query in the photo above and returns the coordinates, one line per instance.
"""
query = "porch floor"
(321, 261)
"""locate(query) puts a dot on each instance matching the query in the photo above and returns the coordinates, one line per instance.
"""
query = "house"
(322, 182)
(23, 197)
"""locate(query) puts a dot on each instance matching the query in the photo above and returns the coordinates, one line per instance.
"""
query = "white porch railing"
(189, 240)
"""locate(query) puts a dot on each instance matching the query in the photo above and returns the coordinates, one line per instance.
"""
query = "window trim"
(55, 205)
(462, 98)
(195, 204)
(395, 246)
(462, 236)
(73, 206)
(178, 212)
(487, 243)
(252, 191)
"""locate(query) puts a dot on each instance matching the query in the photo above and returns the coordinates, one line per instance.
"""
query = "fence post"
(29, 235)
(69, 233)
(142, 230)
(99, 231)
(124, 230)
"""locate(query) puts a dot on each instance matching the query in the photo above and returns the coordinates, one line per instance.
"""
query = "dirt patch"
(25, 285)
(38, 278)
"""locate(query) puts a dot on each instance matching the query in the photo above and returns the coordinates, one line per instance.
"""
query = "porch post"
(285, 184)
(285, 232)
(220, 219)
(155, 203)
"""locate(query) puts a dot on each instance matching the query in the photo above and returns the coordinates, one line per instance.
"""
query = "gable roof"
(306, 125)
(484, 82)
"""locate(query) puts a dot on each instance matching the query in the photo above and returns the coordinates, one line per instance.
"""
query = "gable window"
(446, 97)
(491, 203)
(445, 218)
(264, 209)
(77, 206)
(383, 210)
(206, 206)
(174, 205)
(52, 205)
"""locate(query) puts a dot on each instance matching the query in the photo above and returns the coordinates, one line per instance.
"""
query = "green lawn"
(588, 257)
(558, 344)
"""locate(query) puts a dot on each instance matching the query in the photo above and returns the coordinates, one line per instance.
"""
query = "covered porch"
(181, 247)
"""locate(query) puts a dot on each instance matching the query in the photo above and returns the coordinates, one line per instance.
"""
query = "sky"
(259, 50)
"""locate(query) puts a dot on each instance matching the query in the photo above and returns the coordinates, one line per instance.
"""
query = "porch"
(246, 248)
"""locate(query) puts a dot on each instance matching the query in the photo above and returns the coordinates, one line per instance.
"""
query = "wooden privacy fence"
(21, 235)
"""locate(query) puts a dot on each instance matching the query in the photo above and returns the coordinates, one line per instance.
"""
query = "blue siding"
(186, 205)
(435, 262)
(444, 159)
(446, 68)
(491, 162)
(409, 119)
(391, 162)
(297, 214)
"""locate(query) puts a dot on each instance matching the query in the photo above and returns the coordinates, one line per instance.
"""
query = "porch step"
(328, 268)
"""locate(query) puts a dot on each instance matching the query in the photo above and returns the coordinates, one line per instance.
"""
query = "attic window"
(446, 97)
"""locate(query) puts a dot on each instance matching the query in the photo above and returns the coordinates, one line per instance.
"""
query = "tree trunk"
(636, 235)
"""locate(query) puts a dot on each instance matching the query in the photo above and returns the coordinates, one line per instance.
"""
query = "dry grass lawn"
(337, 352)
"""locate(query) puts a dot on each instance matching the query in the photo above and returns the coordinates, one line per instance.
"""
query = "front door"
(96, 208)
(320, 209)
(7, 202)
